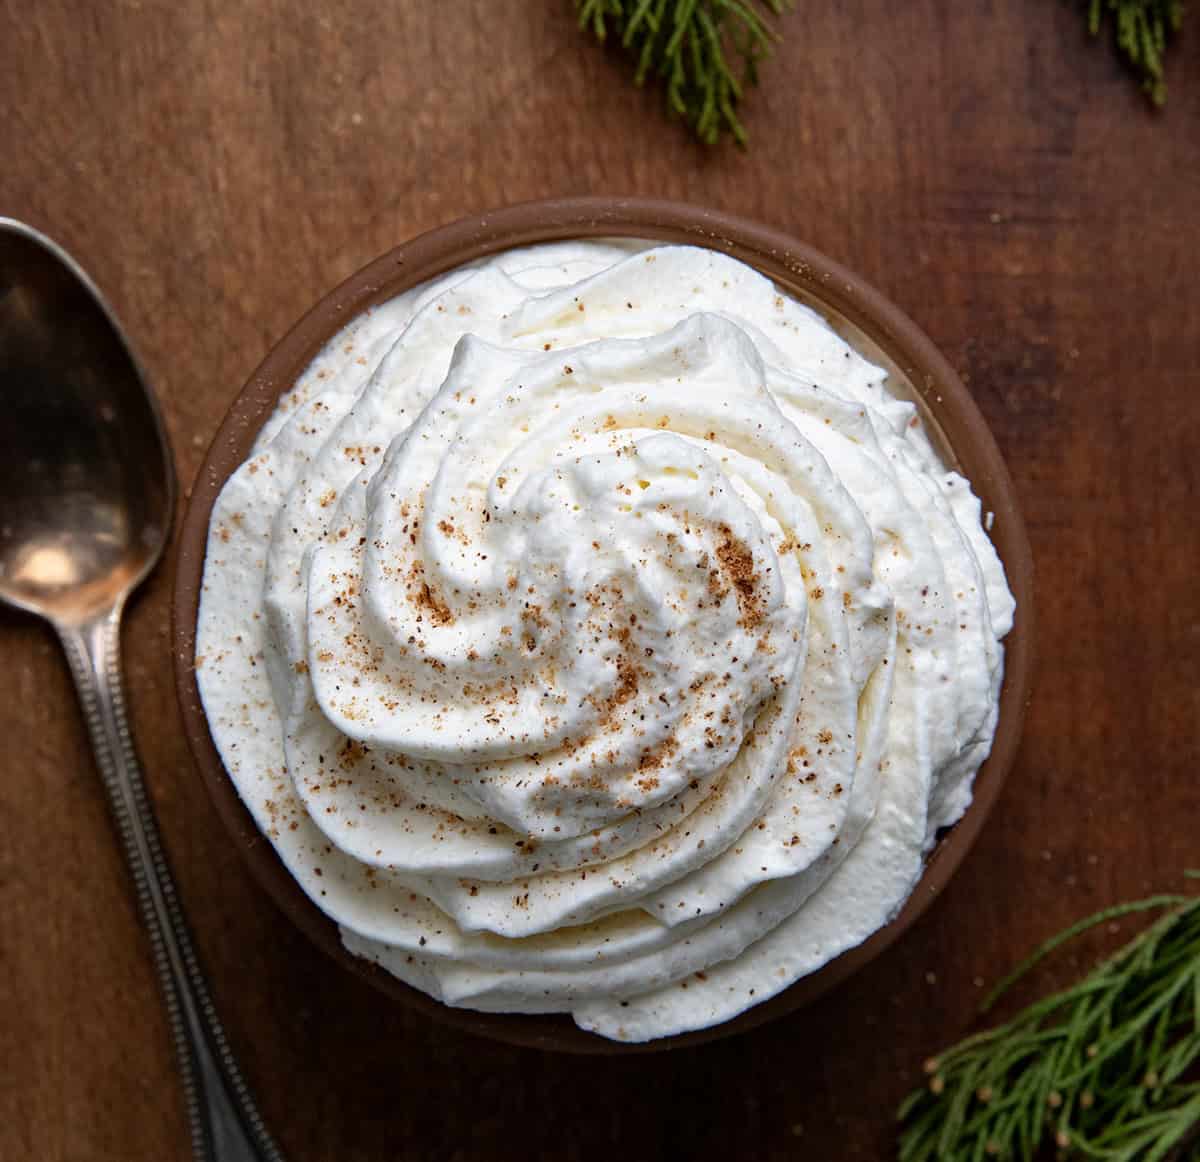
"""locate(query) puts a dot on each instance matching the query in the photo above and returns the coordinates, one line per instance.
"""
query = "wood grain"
(217, 166)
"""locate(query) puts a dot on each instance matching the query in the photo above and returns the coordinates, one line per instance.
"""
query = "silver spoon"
(87, 493)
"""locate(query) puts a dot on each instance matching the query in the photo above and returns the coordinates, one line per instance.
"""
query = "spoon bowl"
(87, 488)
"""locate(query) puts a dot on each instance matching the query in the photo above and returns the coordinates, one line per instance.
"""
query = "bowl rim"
(798, 268)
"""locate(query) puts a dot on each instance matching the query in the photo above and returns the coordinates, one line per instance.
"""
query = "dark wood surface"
(217, 166)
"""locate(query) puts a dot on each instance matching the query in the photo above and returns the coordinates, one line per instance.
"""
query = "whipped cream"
(591, 631)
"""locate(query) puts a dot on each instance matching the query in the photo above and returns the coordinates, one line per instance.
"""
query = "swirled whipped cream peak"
(591, 631)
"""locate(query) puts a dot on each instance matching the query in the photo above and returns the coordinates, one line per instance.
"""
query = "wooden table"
(217, 166)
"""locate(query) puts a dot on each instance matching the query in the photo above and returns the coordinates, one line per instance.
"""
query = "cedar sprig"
(1143, 29)
(689, 44)
(1104, 1070)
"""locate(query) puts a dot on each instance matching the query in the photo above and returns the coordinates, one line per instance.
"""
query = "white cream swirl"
(591, 631)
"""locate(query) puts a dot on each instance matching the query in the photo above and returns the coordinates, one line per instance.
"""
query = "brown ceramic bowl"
(866, 319)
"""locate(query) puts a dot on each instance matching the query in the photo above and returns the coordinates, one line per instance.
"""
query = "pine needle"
(1106, 1069)
(689, 45)
(1142, 31)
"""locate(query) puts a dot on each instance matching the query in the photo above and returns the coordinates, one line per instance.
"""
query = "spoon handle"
(225, 1125)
